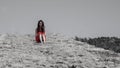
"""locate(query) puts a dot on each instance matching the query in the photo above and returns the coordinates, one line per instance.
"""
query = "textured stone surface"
(21, 51)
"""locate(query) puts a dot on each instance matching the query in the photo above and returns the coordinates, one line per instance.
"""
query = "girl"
(40, 35)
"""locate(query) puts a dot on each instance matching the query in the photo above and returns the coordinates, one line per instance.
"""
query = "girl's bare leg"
(40, 38)
(44, 38)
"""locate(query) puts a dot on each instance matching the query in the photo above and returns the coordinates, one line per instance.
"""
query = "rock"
(21, 51)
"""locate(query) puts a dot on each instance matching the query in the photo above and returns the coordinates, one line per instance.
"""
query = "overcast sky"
(85, 18)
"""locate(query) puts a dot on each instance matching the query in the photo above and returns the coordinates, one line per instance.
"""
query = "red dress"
(37, 38)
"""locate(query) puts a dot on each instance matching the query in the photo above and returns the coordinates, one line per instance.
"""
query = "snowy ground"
(21, 51)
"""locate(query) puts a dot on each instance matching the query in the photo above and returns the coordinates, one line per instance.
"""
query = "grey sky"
(86, 18)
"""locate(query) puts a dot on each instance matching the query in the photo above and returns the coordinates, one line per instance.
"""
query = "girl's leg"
(44, 38)
(40, 36)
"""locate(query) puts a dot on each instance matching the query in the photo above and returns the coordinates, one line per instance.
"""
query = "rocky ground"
(21, 51)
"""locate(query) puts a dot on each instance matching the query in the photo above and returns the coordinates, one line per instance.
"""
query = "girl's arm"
(44, 32)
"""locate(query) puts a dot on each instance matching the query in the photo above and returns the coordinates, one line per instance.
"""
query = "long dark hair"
(40, 28)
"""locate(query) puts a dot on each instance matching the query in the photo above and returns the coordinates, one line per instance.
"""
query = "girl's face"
(40, 24)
